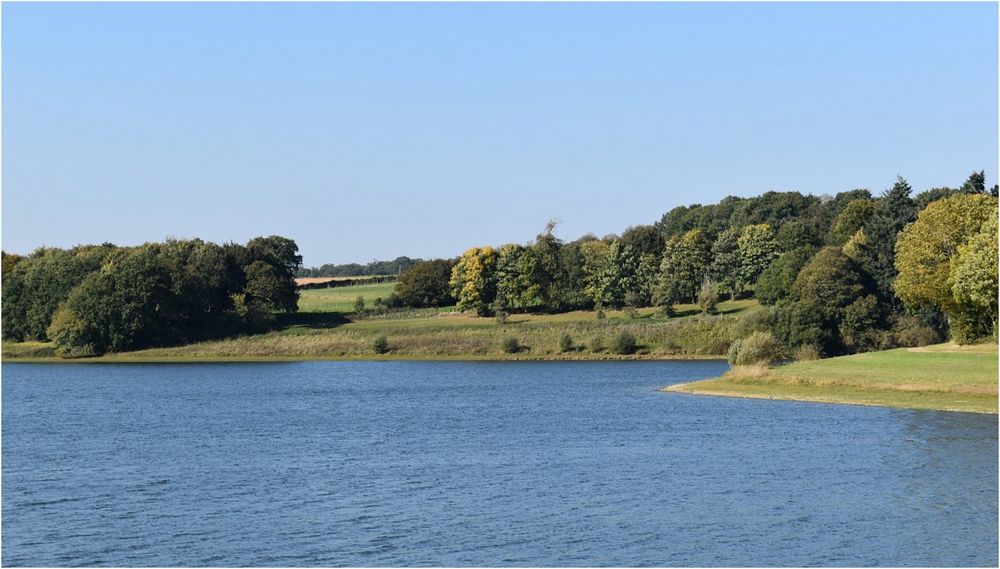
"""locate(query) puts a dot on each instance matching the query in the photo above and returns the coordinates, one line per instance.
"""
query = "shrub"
(393, 301)
(624, 343)
(708, 297)
(381, 345)
(510, 345)
(716, 347)
(359, 305)
(597, 344)
(759, 347)
(808, 352)
(671, 347)
(761, 320)
(632, 300)
(501, 316)
(72, 337)
(801, 323)
(910, 331)
(734, 351)
(859, 327)
(968, 325)
(565, 342)
(599, 313)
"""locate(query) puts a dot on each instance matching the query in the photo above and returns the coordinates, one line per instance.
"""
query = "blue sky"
(376, 130)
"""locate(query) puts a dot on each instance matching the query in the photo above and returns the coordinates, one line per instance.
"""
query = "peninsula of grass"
(942, 377)
(445, 334)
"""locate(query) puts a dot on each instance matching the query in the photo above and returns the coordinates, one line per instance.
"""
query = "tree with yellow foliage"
(929, 261)
(473, 280)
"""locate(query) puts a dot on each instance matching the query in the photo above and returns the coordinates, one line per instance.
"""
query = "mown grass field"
(341, 299)
(944, 376)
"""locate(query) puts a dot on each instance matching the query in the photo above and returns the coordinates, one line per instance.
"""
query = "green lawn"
(945, 376)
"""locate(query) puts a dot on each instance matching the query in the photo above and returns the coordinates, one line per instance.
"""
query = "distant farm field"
(341, 299)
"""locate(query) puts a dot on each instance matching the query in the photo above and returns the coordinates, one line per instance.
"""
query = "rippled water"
(417, 463)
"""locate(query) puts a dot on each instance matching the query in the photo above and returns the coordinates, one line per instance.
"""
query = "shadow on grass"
(733, 310)
(311, 320)
(685, 313)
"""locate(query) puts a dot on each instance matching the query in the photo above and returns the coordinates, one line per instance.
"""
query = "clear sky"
(377, 130)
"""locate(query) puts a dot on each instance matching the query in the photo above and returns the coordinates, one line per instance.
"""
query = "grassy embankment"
(324, 328)
(944, 377)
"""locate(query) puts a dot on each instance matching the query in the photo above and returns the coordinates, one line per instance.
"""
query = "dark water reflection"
(402, 463)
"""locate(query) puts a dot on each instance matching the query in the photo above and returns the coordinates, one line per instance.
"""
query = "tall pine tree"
(895, 208)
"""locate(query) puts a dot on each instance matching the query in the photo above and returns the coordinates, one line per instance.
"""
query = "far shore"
(128, 359)
(445, 335)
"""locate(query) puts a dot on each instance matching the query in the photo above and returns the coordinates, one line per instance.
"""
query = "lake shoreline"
(830, 398)
(124, 359)
(943, 377)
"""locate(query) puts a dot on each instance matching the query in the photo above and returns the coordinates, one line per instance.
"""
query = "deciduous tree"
(757, 249)
(926, 251)
(775, 283)
(426, 284)
(684, 267)
(473, 280)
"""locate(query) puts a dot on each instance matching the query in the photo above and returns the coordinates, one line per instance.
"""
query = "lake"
(472, 464)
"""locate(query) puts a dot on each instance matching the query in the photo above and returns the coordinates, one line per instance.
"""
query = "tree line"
(94, 299)
(837, 274)
(394, 267)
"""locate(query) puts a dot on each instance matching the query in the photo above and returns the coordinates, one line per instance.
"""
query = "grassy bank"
(443, 334)
(945, 377)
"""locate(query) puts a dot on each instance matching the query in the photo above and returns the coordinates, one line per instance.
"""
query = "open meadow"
(342, 299)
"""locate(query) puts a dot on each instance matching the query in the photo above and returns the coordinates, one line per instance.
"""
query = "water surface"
(471, 464)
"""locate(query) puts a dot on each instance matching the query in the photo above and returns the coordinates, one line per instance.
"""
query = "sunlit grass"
(960, 378)
(341, 299)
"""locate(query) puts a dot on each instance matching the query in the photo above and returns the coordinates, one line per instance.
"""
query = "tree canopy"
(426, 284)
(93, 299)
(931, 270)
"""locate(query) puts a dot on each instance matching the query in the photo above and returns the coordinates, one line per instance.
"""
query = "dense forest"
(94, 299)
(838, 274)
